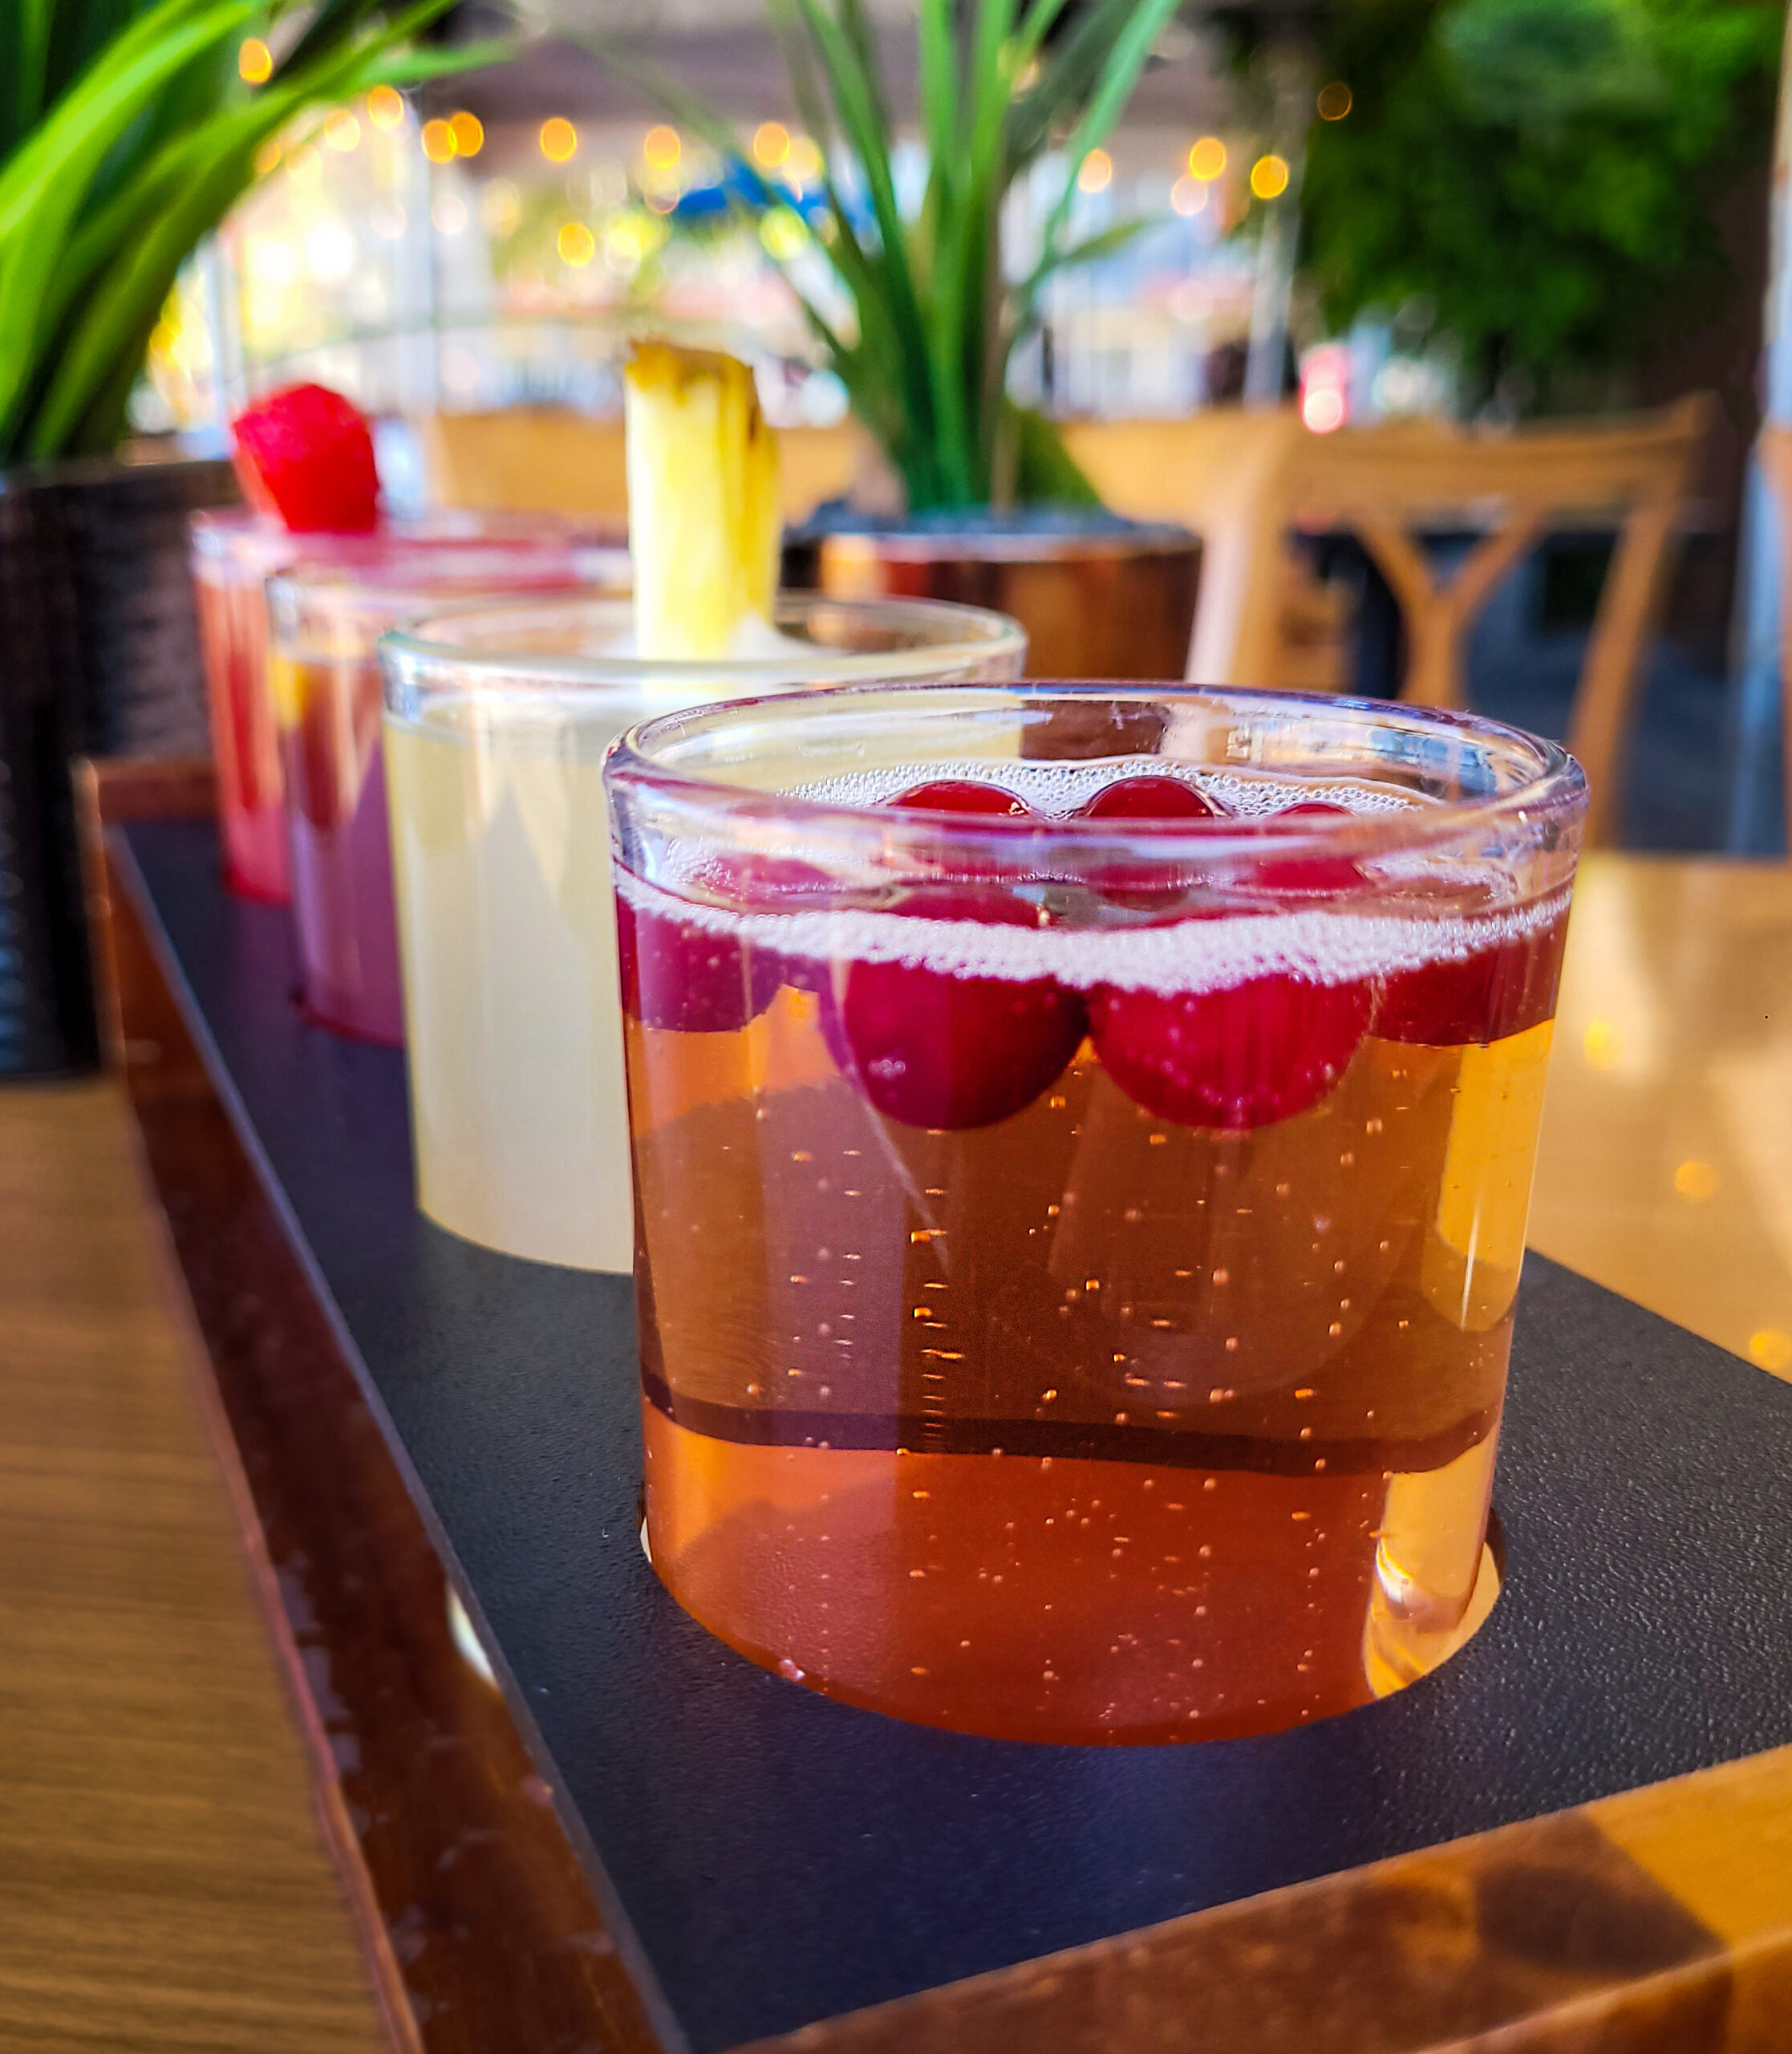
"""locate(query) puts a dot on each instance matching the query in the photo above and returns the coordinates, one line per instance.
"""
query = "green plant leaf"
(43, 183)
(116, 269)
(926, 369)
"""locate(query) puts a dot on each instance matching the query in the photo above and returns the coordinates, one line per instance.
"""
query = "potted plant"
(1537, 177)
(128, 128)
(994, 511)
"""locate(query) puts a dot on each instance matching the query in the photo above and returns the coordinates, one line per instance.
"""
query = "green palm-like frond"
(937, 322)
(126, 135)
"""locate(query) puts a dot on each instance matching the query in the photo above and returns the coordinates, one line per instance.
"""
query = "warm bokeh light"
(1695, 1179)
(1335, 101)
(1325, 388)
(304, 167)
(1771, 1348)
(661, 147)
(1208, 159)
(577, 245)
(1323, 409)
(1269, 176)
(268, 156)
(255, 62)
(1096, 174)
(783, 234)
(771, 145)
(438, 144)
(469, 133)
(1602, 1044)
(804, 164)
(386, 108)
(1188, 196)
(558, 139)
(342, 130)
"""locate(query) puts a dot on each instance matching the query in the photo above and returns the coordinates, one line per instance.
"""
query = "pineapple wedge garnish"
(703, 525)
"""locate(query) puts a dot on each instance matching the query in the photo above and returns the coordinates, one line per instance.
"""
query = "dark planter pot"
(99, 655)
(1099, 597)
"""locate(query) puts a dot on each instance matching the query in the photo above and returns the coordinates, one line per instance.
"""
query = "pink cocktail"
(325, 619)
(234, 552)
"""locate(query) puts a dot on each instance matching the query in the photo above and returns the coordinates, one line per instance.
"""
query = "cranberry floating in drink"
(1081, 1201)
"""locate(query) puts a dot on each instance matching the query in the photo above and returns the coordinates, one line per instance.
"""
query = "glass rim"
(227, 533)
(427, 575)
(981, 634)
(1558, 786)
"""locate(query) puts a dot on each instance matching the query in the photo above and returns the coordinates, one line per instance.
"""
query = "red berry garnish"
(690, 978)
(963, 795)
(1304, 873)
(306, 453)
(779, 884)
(934, 1050)
(1263, 1051)
(1483, 997)
(696, 979)
(1150, 798)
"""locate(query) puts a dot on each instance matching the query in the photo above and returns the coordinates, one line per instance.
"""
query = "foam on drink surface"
(1399, 920)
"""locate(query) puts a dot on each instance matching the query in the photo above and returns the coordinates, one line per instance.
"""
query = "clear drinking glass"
(234, 553)
(496, 722)
(1078, 1242)
(325, 621)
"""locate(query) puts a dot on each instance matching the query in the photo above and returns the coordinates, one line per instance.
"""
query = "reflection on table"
(1665, 1170)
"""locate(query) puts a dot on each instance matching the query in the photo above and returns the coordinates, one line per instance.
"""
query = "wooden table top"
(163, 1882)
(1665, 1168)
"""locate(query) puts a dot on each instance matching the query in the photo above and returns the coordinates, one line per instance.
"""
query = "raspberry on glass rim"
(305, 454)
(936, 1050)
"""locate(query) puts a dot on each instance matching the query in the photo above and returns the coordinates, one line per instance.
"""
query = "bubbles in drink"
(1076, 1295)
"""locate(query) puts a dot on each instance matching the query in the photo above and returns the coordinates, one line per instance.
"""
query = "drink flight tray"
(566, 1810)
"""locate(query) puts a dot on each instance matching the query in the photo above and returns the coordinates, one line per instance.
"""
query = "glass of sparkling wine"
(325, 621)
(496, 722)
(1083, 1137)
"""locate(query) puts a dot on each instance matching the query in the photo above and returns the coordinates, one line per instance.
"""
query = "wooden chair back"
(1223, 472)
(1244, 479)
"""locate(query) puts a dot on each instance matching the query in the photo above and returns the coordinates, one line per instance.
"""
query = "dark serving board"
(776, 1858)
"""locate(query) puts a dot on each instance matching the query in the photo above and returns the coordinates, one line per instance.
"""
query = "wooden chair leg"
(1605, 707)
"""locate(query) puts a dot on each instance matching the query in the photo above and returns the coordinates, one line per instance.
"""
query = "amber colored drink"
(1081, 1313)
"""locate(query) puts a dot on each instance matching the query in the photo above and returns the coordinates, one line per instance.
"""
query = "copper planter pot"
(1110, 601)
